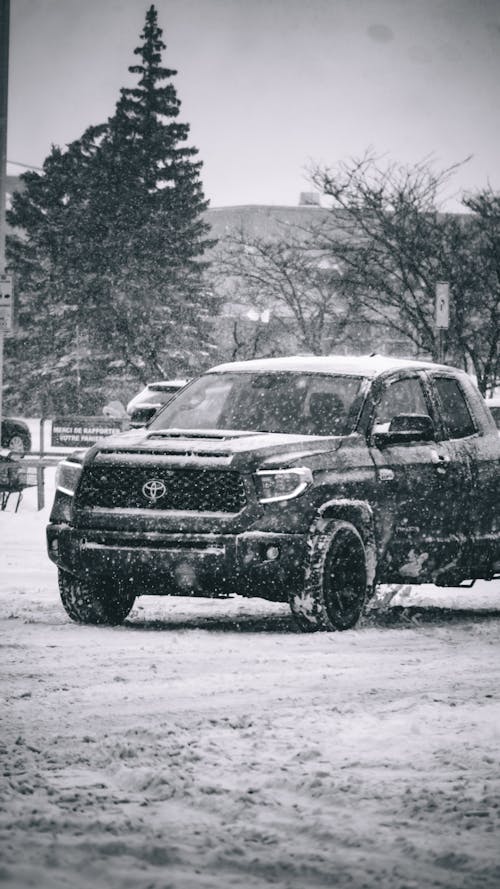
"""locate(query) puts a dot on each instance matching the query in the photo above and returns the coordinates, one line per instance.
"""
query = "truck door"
(473, 443)
(418, 483)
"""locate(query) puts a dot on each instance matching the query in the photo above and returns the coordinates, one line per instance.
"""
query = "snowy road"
(211, 745)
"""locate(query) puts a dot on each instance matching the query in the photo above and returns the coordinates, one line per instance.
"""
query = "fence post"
(40, 485)
(42, 439)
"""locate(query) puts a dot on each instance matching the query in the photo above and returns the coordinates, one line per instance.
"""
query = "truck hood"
(227, 447)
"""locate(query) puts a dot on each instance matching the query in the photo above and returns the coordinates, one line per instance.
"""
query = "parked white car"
(144, 405)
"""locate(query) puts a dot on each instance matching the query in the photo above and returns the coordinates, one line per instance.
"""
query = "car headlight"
(282, 484)
(67, 476)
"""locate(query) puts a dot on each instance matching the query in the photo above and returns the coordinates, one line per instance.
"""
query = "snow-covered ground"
(210, 744)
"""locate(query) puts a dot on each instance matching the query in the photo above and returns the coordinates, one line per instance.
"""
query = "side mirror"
(405, 429)
(141, 416)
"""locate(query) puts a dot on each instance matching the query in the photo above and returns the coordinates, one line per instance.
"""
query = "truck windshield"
(290, 403)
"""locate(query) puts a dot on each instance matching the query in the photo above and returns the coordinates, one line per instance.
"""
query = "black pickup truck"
(301, 479)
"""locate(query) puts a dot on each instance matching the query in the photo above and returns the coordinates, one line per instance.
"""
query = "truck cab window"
(454, 408)
(400, 397)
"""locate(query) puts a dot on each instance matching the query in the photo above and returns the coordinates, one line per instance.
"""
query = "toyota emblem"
(154, 490)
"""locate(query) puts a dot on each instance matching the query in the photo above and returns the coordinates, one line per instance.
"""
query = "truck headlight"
(282, 484)
(67, 476)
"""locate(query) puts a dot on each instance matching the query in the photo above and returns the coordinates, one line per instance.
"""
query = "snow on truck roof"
(351, 365)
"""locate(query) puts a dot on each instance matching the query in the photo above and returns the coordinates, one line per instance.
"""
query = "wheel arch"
(359, 514)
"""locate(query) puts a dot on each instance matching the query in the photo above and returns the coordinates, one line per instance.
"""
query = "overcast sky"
(268, 86)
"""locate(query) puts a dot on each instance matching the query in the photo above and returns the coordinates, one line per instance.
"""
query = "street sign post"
(6, 301)
(442, 305)
(442, 313)
(4, 91)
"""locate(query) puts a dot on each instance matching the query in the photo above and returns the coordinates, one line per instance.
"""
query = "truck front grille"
(123, 487)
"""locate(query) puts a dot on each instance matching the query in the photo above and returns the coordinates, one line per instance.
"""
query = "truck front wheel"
(94, 601)
(335, 583)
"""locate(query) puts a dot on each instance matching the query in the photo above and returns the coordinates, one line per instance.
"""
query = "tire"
(335, 583)
(94, 601)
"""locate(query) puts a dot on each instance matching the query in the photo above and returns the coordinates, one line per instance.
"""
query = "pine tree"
(112, 246)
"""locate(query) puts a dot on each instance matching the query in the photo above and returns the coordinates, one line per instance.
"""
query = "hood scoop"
(207, 434)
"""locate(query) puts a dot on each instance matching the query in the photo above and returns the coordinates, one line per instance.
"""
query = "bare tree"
(290, 278)
(481, 325)
(252, 339)
(394, 243)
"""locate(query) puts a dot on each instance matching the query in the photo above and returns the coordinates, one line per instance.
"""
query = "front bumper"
(253, 563)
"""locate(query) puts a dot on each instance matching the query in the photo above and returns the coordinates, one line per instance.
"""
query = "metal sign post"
(5, 303)
(442, 314)
(4, 86)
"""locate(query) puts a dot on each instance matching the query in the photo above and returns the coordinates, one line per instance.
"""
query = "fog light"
(54, 546)
(272, 553)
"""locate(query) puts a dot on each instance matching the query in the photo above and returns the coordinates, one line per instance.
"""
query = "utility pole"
(5, 284)
(78, 376)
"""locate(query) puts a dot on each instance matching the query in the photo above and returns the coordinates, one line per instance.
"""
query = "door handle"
(440, 461)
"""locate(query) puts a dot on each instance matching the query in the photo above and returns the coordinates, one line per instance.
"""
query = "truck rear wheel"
(94, 601)
(335, 585)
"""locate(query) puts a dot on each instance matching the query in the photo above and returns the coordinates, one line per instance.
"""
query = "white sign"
(442, 305)
(5, 303)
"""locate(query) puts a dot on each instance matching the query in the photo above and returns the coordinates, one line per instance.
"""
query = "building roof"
(264, 220)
